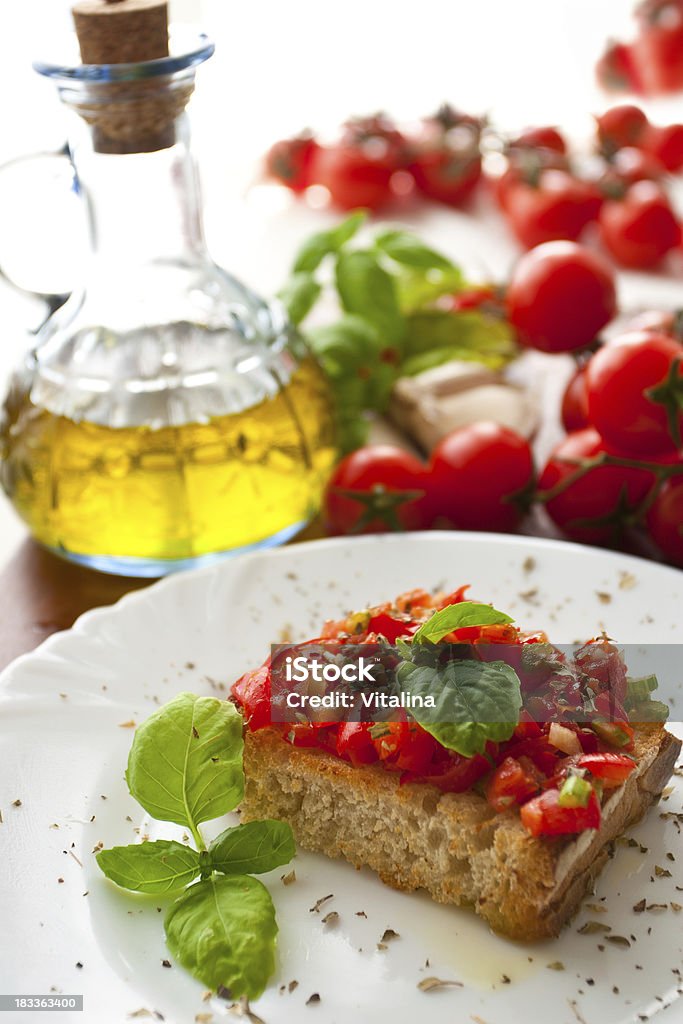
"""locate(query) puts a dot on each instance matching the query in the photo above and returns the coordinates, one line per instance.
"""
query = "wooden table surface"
(43, 594)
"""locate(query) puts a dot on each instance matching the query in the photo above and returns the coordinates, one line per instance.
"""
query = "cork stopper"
(121, 31)
(133, 116)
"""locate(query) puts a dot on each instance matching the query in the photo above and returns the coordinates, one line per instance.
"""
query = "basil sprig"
(185, 766)
(390, 325)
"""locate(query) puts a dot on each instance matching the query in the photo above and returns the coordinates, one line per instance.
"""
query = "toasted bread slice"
(454, 845)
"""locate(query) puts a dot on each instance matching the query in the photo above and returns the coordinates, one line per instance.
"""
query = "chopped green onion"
(640, 689)
(649, 711)
(575, 792)
(612, 732)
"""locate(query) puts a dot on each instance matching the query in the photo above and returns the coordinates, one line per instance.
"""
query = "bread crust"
(454, 845)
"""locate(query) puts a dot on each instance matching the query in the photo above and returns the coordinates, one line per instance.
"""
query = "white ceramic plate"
(64, 743)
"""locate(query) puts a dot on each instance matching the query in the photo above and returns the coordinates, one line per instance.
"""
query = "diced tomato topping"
(389, 627)
(544, 816)
(563, 765)
(603, 661)
(527, 770)
(527, 728)
(457, 773)
(417, 598)
(498, 633)
(302, 734)
(388, 738)
(607, 705)
(617, 734)
(538, 750)
(588, 740)
(513, 782)
(456, 597)
(252, 690)
(613, 769)
(417, 750)
(354, 743)
(538, 637)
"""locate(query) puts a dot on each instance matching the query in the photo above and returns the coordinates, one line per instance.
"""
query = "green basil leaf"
(222, 930)
(157, 867)
(407, 249)
(344, 346)
(252, 848)
(323, 243)
(366, 289)
(417, 288)
(353, 428)
(438, 356)
(475, 701)
(454, 616)
(486, 337)
(185, 764)
(354, 357)
(299, 296)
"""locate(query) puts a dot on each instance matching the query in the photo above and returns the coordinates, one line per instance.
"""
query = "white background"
(280, 66)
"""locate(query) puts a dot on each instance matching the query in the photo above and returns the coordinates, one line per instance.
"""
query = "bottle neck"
(143, 208)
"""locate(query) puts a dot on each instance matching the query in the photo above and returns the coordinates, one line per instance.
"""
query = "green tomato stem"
(583, 466)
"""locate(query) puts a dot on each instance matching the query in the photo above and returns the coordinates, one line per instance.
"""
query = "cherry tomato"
(446, 158)
(623, 125)
(544, 816)
(524, 166)
(477, 473)
(616, 70)
(377, 488)
(357, 170)
(665, 521)
(575, 402)
(556, 205)
(354, 743)
(669, 322)
(560, 296)
(289, 161)
(544, 137)
(658, 46)
(640, 228)
(666, 145)
(613, 769)
(513, 782)
(595, 506)
(635, 393)
(627, 166)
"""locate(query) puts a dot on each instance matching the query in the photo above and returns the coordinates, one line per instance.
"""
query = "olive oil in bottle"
(174, 493)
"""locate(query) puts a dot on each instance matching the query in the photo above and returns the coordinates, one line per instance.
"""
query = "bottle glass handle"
(43, 239)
